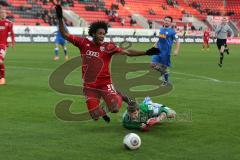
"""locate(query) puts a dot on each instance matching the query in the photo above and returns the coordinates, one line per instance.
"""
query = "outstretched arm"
(131, 53)
(155, 120)
(54, 32)
(62, 29)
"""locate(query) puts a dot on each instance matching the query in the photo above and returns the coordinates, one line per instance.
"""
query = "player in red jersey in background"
(6, 27)
(206, 36)
(96, 57)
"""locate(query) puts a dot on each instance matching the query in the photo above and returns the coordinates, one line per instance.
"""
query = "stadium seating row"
(153, 10)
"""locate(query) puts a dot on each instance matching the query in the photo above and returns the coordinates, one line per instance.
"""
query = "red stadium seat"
(133, 7)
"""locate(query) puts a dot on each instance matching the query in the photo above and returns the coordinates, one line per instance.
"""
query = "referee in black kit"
(222, 31)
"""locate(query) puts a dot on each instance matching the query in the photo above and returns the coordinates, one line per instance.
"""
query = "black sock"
(221, 58)
(106, 118)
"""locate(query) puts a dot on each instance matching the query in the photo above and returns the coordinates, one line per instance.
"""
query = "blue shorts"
(60, 41)
(162, 59)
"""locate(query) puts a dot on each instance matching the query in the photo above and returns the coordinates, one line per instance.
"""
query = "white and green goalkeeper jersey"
(148, 110)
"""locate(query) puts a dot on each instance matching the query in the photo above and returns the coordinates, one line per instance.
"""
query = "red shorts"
(2, 53)
(206, 41)
(93, 95)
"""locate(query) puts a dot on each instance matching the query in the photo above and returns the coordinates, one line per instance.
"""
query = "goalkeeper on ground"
(142, 116)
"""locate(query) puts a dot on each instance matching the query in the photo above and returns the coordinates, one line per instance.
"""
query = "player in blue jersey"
(167, 36)
(59, 40)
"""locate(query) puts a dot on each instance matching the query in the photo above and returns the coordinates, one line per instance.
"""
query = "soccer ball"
(132, 141)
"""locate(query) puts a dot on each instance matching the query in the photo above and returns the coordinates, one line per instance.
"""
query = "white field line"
(195, 77)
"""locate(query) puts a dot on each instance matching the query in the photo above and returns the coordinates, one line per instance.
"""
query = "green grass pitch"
(206, 96)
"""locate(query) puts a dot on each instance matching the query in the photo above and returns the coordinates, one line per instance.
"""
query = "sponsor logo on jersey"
(92, 53)
(162, 36)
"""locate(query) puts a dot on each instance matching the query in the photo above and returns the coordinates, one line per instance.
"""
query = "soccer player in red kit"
(96, 57)
(206, 36)
(6, 27)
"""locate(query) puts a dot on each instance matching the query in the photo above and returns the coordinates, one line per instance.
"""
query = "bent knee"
(153, 65)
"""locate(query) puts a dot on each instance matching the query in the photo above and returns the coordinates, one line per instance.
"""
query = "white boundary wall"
(47, 34)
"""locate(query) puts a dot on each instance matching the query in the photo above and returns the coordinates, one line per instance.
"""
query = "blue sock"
(166, 75)
(56, 52)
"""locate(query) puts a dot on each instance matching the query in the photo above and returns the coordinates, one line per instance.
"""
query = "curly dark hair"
(169, 18)
(97, 25)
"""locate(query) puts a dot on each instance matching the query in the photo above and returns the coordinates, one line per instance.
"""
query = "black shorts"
(221, 42)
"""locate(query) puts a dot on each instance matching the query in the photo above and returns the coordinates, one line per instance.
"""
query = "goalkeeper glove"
(153, 51)
(59, 12)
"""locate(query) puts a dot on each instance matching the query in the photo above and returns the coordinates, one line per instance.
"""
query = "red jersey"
(6, 27)
(95, 60)
(206, 35)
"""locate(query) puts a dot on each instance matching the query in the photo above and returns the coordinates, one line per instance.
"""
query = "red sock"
(2, 71)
